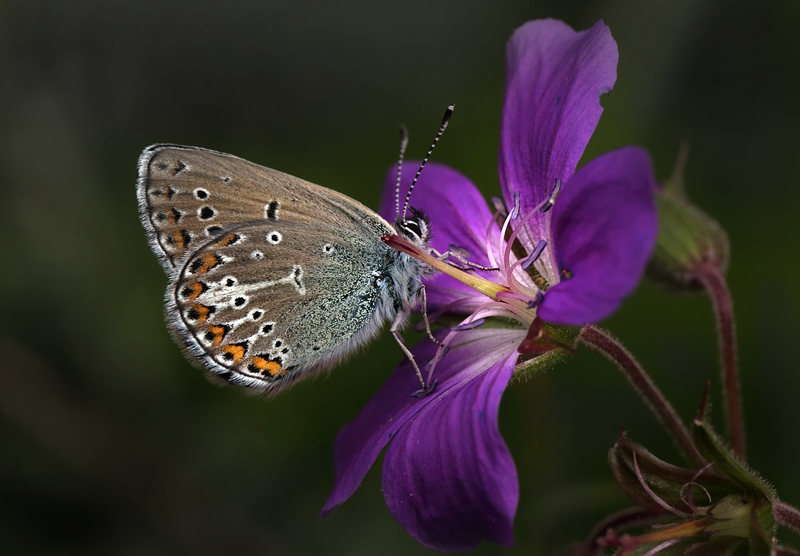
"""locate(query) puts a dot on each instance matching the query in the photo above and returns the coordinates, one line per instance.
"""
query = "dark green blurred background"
(111, 443)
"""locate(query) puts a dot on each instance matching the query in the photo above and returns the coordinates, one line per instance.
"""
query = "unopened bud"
(688, 239)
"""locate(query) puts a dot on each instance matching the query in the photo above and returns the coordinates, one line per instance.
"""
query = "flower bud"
(687, 239)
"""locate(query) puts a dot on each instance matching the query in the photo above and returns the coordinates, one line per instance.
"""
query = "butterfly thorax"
(403, 274)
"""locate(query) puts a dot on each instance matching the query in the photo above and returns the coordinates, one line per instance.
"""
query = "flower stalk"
(602, 342)
(692, 254)
(712, 280)
(786, 515)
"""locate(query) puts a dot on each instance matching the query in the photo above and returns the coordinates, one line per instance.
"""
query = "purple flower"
(448, 477)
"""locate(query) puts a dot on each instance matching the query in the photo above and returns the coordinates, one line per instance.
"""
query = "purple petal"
(448, 476)
(554, 79)
(604, 228)
(393, 408)
(459, 216)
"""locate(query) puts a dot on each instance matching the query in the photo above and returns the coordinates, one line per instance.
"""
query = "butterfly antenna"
(445, 121)
(403, 145)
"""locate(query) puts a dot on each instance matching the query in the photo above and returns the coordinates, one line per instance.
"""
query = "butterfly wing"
(267, 302)
(189, 194)
(271, 277)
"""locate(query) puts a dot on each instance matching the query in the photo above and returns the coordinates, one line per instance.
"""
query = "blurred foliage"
(113, 444)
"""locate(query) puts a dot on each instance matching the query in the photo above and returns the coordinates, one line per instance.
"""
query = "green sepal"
(528, 367)
(762, 527)
(556, 343)
(714, 450)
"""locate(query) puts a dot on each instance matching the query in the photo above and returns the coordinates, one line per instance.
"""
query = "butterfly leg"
(461, 255)
(424, 311)
(426, 389)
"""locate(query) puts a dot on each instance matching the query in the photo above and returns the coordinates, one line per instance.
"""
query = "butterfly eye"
(413, 227)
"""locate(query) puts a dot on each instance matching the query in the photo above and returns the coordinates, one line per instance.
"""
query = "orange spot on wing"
(229, 239)
(202, 312)
(218, 332)
(196, 288)
(210, 260)
(271, 367)
(236, 351)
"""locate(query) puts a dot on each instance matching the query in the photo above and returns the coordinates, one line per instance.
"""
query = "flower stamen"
(533, 257)
(551, 200)
(514, 300)
(515, 209)
(468, 325)
(536, 301)
(500, 207)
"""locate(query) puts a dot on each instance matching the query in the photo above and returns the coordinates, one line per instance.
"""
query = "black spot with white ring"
(256, 314)
(206, 213)
(201, 193)
(274, 238)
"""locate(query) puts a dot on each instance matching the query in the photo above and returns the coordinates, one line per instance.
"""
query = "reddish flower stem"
(786, 515)
(710, 276)
(604, 343)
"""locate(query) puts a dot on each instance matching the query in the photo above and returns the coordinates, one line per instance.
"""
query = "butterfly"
(272, 278)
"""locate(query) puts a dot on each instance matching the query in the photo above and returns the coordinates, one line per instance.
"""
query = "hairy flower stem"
(713, 281)
(786, 515)
(604, 343)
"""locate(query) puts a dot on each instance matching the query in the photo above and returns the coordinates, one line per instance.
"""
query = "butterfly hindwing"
(267, 301)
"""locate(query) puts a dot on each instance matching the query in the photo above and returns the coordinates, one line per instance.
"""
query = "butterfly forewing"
(187, 195)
